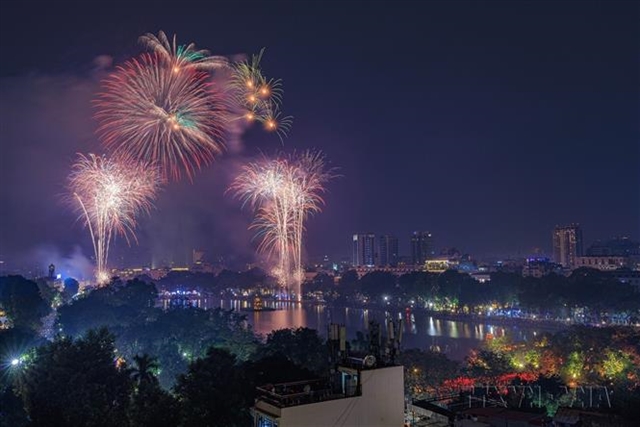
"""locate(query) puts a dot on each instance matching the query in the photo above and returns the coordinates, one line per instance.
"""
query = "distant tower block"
(52, 271)
(567, 245)
(421, 247)
(364, 250)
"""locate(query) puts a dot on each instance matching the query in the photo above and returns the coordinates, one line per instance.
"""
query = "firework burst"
(108, 195)
(178, 56)
(149, 112)
(257, 98)
(283, 192)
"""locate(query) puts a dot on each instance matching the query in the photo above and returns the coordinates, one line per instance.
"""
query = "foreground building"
(365, 396)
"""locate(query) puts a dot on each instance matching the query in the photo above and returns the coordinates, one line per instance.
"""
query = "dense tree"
(214, 392)
(16, 342)
(348, 285)
(48, 292)
(77, 383)
(598, 290)
(144, 368)
(116, 305)
(179, 336)
(378, 284)
(150, 404)
(21, 300)
(12, 413)
(348, 278)
(135, 294)
(460, 289)
(176, 336)
(417, 285)
(19, 344)
(322, 282)
(303, 346)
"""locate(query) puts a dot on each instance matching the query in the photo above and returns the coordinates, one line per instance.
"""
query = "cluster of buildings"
(618, 256)
(369, 250)
(608, 255)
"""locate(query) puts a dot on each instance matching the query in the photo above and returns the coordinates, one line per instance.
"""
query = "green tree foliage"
(599, 291)
(462, 288)
(144, 369)
(150, 404)
(348, 278)
(347, 286)
(417, 285)
(177, 337)
(590, 288)
(18, 344)
(21, 300)
(302, 346)
(14, 343)
(48, 292)
(116, 305)
(322, 282)
(77, 383)
(378, 284)
(504, 287)
(214, 392)
(12, 413)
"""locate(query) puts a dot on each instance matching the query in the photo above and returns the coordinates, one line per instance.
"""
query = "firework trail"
(283, 192)
(108, 196)
(309, 178)
(256, 97)
(148, 112)
(178, 56)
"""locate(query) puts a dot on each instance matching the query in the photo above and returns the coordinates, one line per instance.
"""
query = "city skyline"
(488, 161)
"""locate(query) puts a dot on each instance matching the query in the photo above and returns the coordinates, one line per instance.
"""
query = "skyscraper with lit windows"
(567, 245)
(364, 250)
(421, 247)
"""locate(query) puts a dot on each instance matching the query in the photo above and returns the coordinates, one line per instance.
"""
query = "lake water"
(421, 330)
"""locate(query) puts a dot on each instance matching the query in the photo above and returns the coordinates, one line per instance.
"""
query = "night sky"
(484, 123)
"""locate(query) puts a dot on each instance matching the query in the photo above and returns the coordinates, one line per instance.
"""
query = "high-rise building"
(364, 250)
(567, 245)
(388, 251)
(421, 247)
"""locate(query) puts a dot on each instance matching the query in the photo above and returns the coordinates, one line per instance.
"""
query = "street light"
(15, 362)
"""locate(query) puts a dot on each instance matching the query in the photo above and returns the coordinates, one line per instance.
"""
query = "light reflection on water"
(453, 337)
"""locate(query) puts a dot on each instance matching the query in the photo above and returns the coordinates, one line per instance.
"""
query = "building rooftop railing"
(297, 393)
